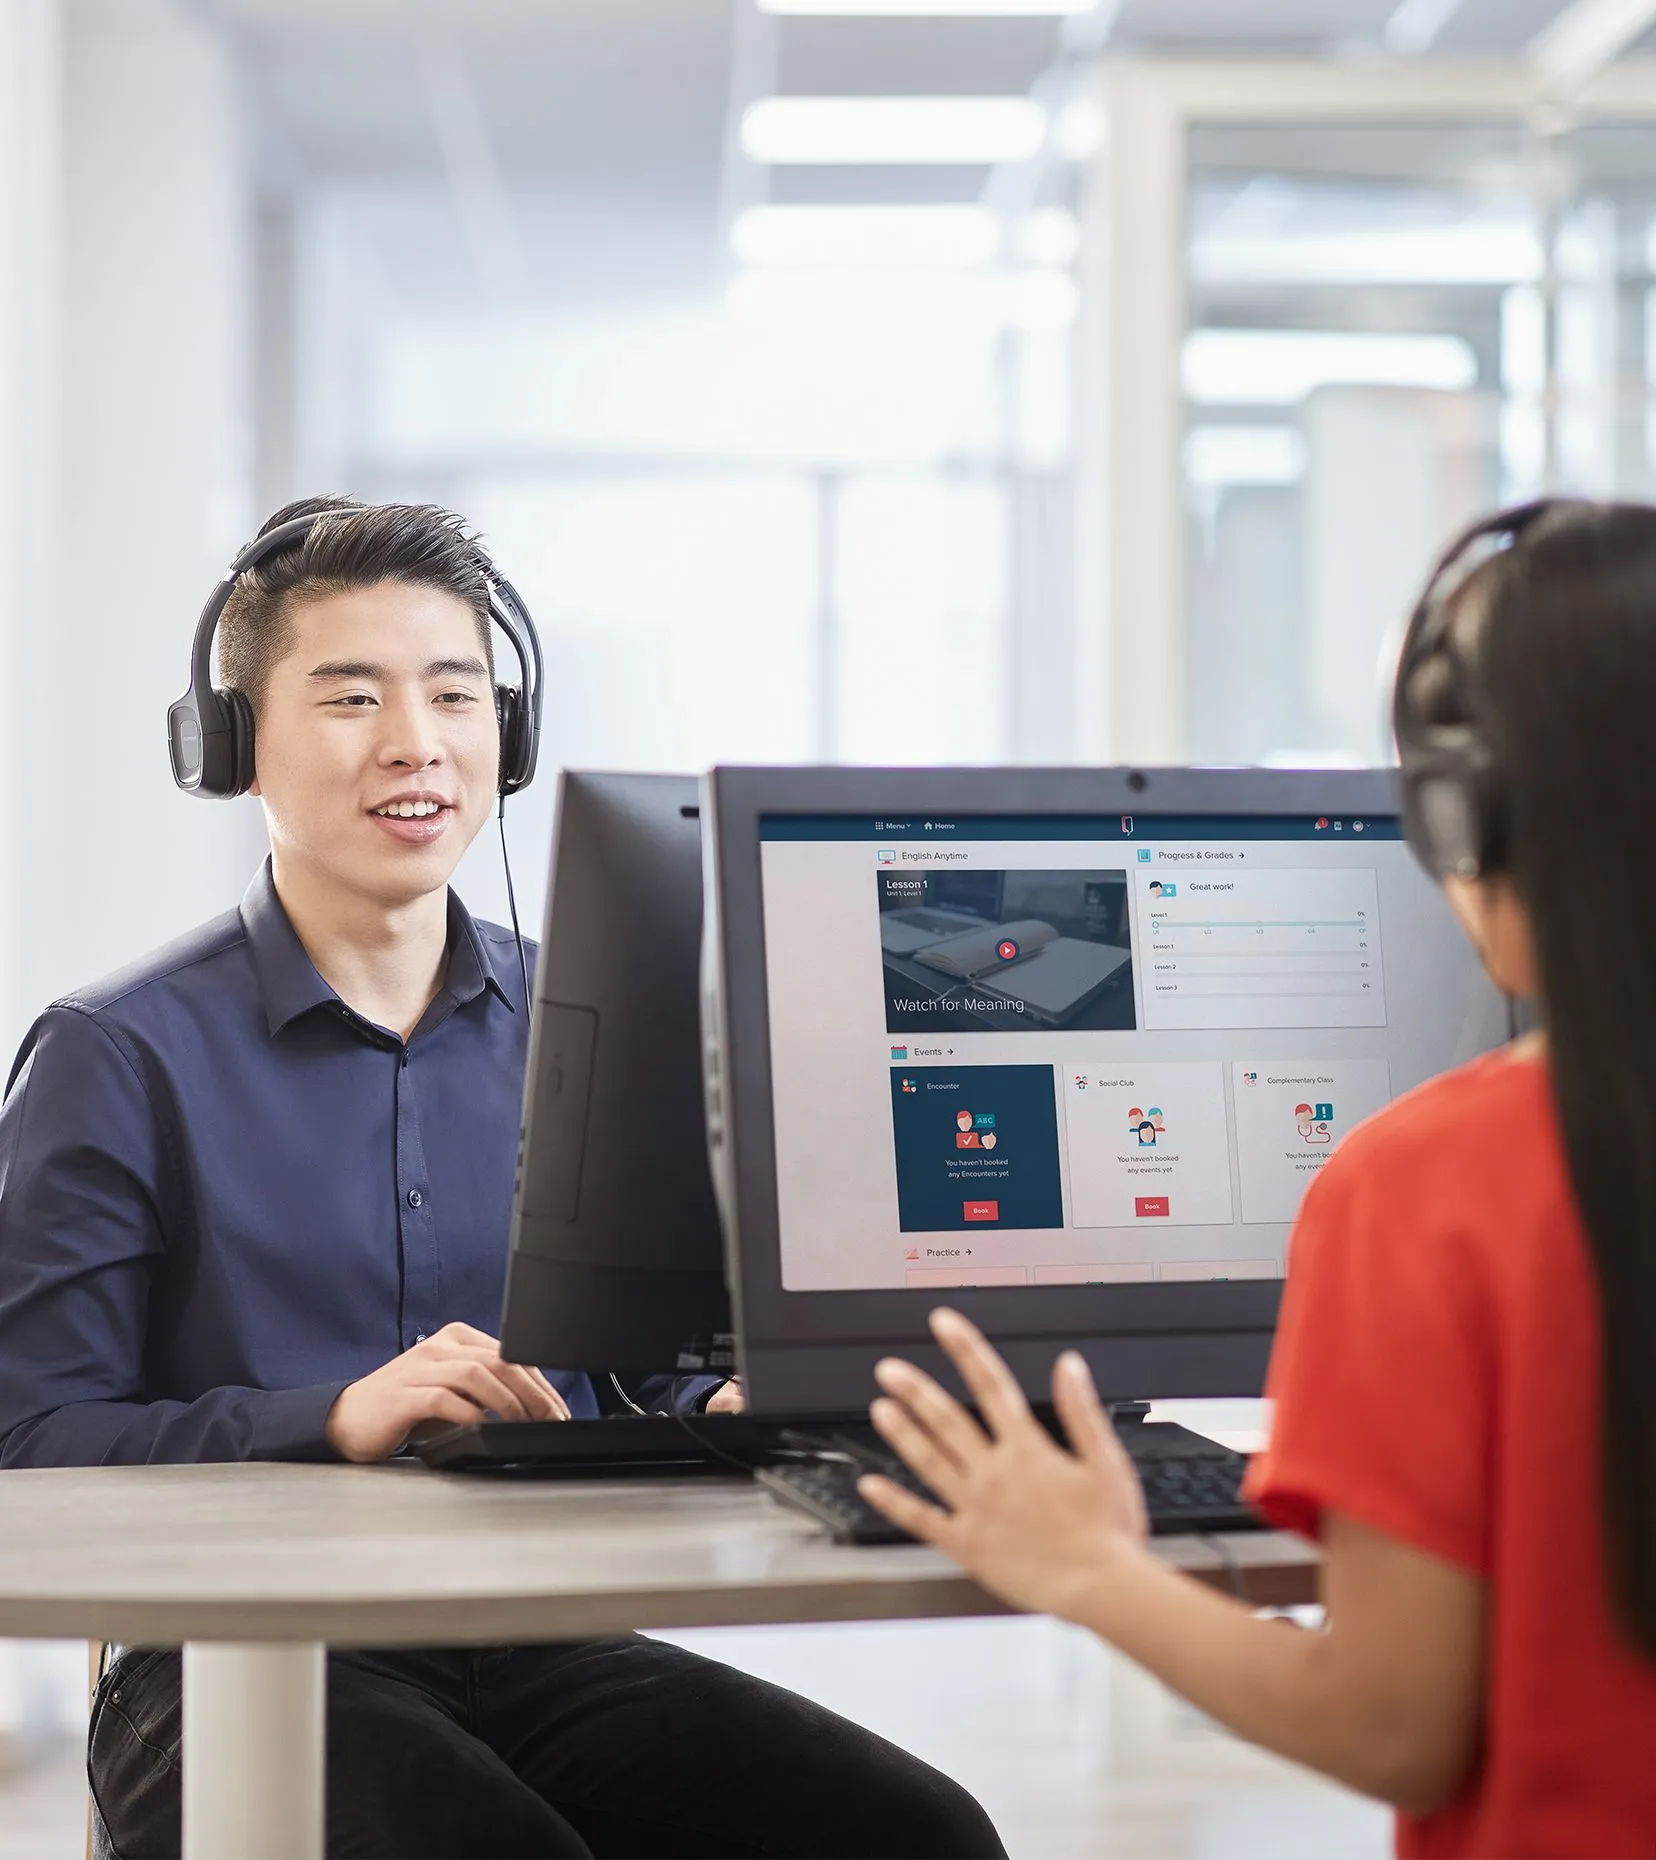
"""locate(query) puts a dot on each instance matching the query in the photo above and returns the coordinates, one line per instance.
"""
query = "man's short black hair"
(354, 545)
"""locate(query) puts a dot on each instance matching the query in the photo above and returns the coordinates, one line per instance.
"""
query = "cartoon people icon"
(1312, 1127)
(988, 1139)
(963, 1120)
(1146, 1126)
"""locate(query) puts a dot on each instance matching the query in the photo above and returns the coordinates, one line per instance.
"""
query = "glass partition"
(1391, 327)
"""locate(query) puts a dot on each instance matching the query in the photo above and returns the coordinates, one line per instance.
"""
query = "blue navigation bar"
(1123, 829)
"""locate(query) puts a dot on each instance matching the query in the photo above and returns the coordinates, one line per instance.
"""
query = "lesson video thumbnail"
(1003, 952)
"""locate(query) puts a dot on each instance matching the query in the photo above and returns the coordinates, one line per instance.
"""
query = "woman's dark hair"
(355, 545)
(1565, 687)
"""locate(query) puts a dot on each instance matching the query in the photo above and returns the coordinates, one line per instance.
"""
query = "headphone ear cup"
(1448, 822)
(513, 721)
(240, 712)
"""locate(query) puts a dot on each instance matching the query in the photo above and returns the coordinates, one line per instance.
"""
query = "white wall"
(152, 403)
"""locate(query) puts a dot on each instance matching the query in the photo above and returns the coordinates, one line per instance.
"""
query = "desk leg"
(253, 1751)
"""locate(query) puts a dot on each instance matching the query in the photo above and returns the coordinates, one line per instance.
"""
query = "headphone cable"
(511, 904)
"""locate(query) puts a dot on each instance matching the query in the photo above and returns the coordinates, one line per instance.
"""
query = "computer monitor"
(1062, 1048)
(615, 1249)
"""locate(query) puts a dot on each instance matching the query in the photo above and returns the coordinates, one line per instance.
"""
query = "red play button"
(1150, 1207)
(1007, 950)
(983, 1210)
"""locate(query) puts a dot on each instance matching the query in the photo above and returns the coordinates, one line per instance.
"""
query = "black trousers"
(628, 1748)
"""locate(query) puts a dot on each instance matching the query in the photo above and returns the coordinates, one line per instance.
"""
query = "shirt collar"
(470, 970)
(289, 984)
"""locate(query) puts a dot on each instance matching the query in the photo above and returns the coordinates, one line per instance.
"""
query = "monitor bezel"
(629, 1275)
(1204, 1338)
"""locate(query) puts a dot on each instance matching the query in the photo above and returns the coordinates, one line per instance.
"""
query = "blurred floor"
(43, 1807)
(1074, 1753)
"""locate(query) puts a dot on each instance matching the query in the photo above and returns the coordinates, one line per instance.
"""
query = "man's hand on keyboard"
(1031, 1521)
(453, 1377)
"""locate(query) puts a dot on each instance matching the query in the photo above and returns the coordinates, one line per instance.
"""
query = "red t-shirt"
(1436, 1376)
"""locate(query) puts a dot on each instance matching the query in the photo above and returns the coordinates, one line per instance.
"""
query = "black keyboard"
(1190, 1484)
(625, 1446)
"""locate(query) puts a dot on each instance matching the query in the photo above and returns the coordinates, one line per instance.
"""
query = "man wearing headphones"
(254, 1198)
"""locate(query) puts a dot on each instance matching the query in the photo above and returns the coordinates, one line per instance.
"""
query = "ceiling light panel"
(856, 131)
(943, 304)
(947, 236)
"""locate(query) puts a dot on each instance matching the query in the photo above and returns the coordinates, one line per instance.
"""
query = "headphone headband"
(210, 731)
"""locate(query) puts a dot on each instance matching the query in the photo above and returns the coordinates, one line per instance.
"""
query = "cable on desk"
(712, 1448)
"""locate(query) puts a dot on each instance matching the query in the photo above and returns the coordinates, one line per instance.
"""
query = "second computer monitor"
(1064, 1047)
(615, 1260)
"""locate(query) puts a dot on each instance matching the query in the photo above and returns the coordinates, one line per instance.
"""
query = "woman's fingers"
(1087, 1424)
(917, 1448)
(927, 1522)
(993, 1386)
(933, 1407)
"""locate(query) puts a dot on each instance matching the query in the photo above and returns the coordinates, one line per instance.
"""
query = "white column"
(30, 35)
(254, 1751)
(30, 32)
(1130, 626)
(155, 450)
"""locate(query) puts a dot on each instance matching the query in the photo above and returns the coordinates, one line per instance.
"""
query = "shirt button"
(415, 1197)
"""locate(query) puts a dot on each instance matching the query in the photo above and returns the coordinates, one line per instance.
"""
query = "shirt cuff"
(292, 1424)
(693, 1399)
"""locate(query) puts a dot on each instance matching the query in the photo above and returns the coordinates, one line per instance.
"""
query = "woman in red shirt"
(1465, 1368)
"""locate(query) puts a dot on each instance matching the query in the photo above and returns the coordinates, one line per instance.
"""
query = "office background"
(1109, 405)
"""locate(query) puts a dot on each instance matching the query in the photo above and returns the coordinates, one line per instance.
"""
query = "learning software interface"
(1057, 1051)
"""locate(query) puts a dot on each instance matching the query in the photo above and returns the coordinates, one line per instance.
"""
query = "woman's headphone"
(1453, 814)
(210, 731)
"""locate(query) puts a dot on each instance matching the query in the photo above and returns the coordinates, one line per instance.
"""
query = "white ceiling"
(623, 95)
(604, 122)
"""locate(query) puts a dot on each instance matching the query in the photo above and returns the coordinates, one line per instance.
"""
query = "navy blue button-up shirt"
(224, 1195)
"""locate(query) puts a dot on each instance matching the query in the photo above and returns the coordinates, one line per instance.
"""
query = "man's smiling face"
(377, 750)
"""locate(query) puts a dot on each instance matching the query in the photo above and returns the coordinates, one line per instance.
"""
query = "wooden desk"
(256, 1569)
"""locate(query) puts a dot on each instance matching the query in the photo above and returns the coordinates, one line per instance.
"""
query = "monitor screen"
(1052, 1055)
(1081, 1051)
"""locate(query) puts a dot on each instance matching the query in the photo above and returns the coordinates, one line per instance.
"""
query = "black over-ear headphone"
(210, 731)
(1454, 816)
